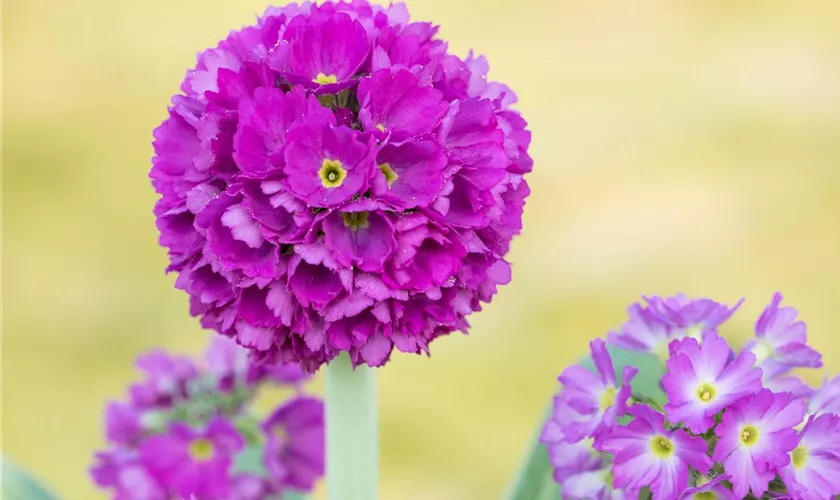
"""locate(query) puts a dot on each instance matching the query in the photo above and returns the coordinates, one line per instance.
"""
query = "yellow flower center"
(706, 393)
(661, 350)
(749, 435)
(323, 79)
(607, 398)
(591, 444)
(388, 172)
(693, 332)
(661, 446)
(201, 449)
(332, 174)
(705, 495)
(280, 432)
(380, 127)
(799, 457)
(762, 351)
(355, 220)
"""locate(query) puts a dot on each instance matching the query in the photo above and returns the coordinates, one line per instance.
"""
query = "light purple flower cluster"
(186, 431)
(731, 425)
(332, 180)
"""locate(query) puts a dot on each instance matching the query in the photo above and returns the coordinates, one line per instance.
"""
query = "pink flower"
(703, 379)
(755, 436)
(591, 403)
(647, 454)
(814, 469)
(780, 338)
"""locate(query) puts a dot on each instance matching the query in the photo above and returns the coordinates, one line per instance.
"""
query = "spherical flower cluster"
(186, 431)
(332, 180)
(733, 424)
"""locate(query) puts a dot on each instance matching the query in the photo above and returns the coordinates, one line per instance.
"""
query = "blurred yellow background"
(687, 146)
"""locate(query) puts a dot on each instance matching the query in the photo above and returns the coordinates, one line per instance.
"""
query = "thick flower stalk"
(332, 180)
(735, 424)
(187, 431)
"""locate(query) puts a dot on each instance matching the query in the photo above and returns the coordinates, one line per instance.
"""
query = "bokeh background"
(687, 146)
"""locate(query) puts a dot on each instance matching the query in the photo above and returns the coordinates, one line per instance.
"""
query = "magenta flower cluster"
(735, 424)
(187, 431)
(331, 180)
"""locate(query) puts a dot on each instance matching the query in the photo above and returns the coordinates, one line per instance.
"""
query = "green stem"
(352, 434)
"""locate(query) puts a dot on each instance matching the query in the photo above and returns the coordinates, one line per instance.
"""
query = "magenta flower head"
(590, 403)
(814, 468)
(703, 378)
(203, 440)
(755, 437)
(646, 454)
(331, 180)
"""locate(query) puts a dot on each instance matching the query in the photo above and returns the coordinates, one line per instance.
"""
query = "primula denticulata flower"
(188, 431)
(332, 180)
(653, 326)
(735, 423)
(589, 403)
(754, 438)
(702, 379)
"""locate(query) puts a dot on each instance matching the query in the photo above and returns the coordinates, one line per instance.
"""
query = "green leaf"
(18, 485)
(250, 461)
(294, 495)
(535, 479)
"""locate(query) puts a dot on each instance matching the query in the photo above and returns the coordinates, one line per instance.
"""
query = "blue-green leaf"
(18, 485)
(535, 479)
(250, 461)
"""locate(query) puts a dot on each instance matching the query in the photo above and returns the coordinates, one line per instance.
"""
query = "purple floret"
(780, 342)
(704, 378)
(193, 462)
(294, 452)
(332, 180)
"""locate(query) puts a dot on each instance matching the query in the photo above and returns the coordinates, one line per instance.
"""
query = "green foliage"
(18, 485)
(250, 461)
(535, 481)
(294, 495)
